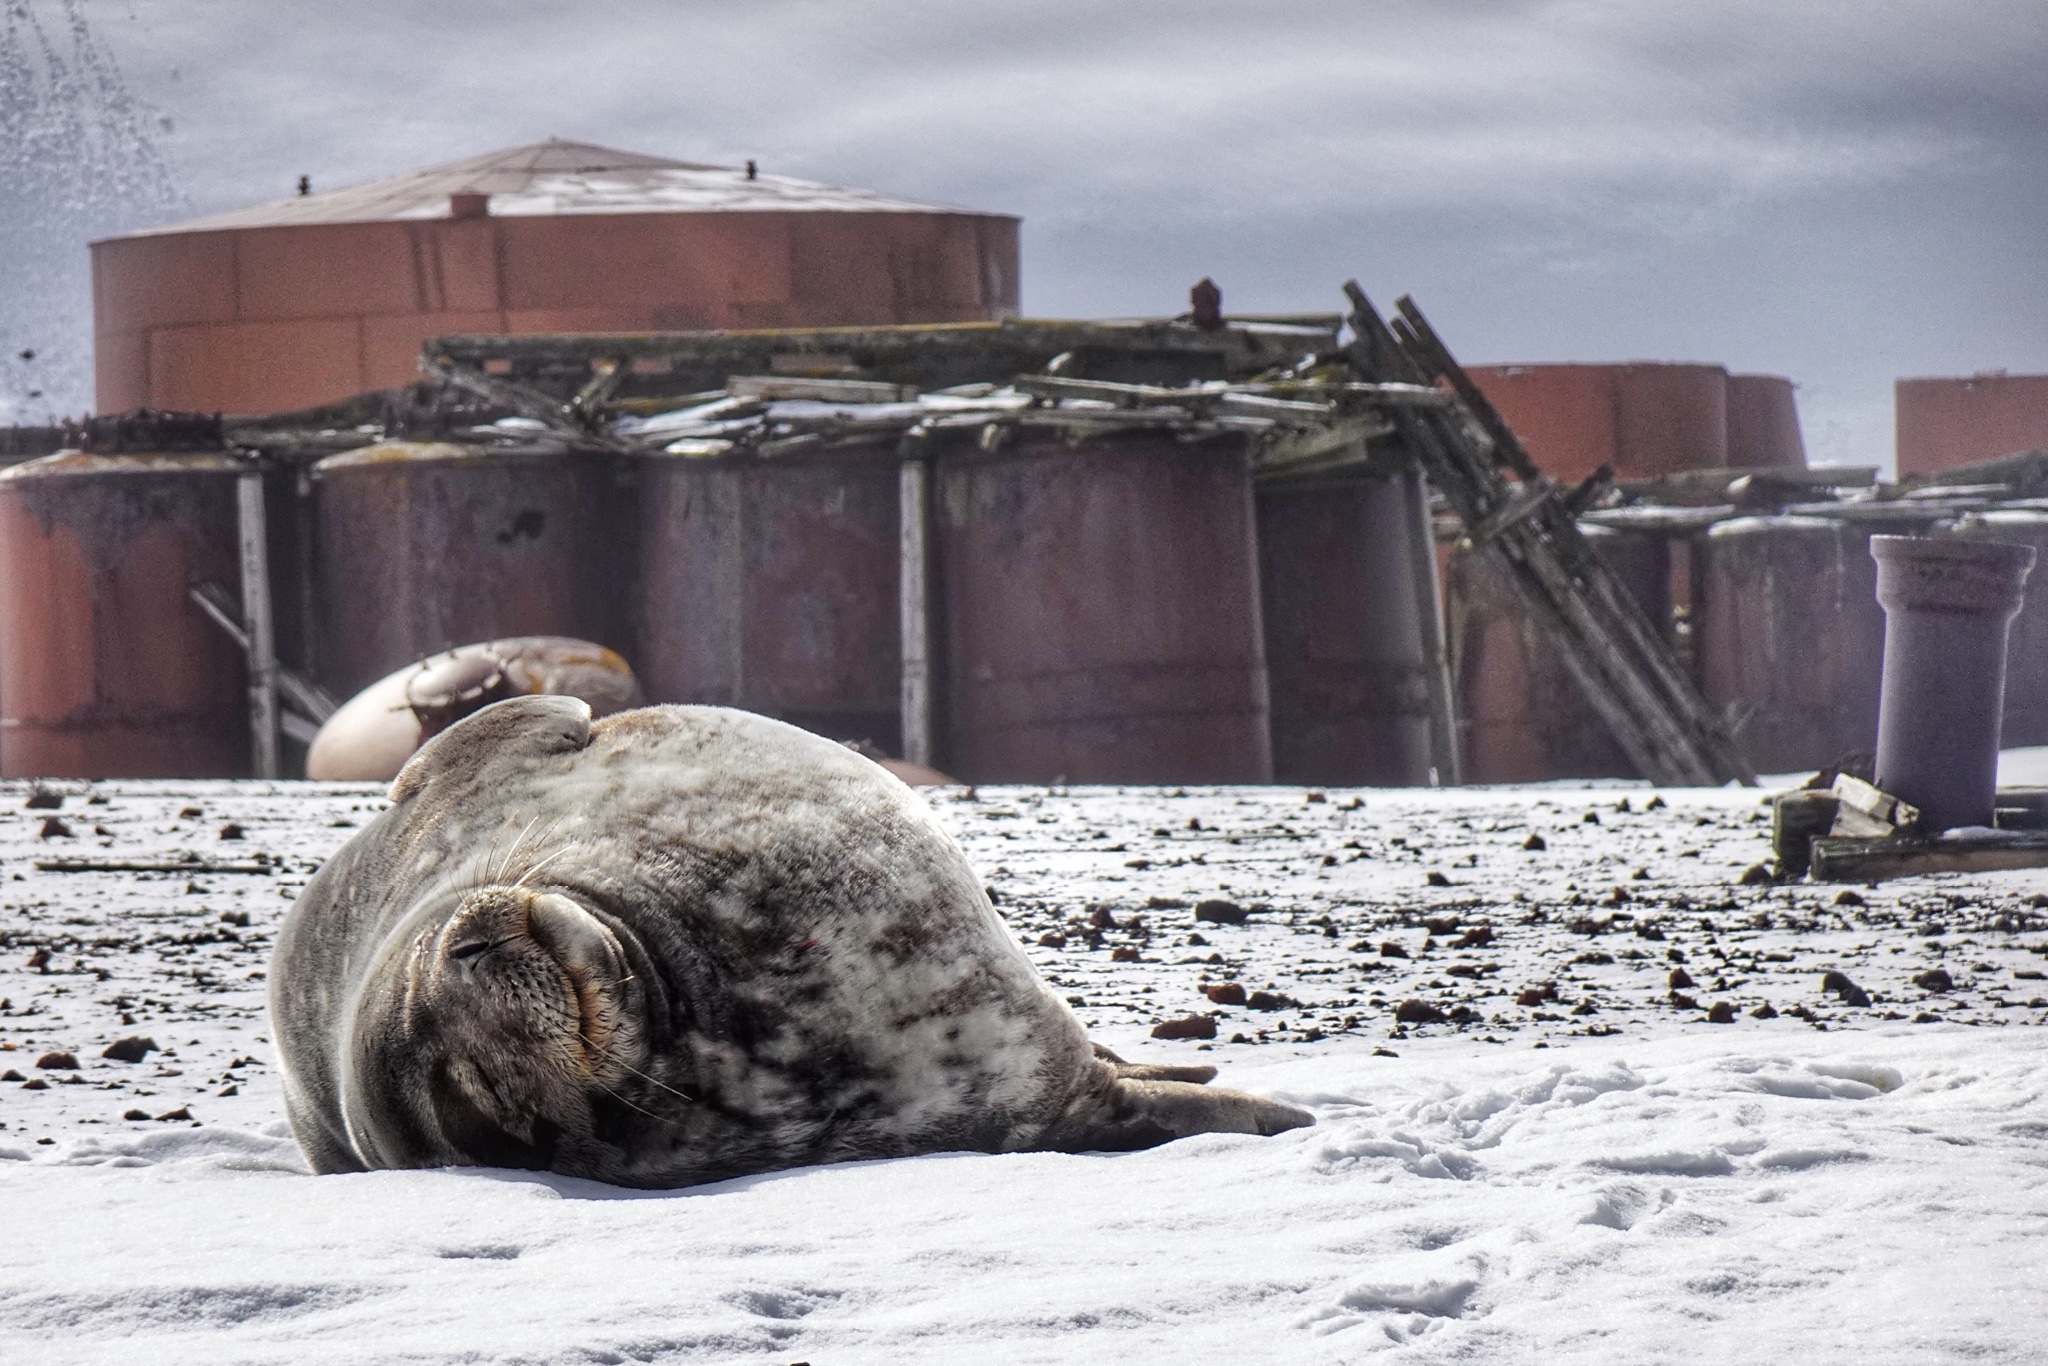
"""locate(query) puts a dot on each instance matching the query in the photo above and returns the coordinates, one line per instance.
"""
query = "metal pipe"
(256, 623)
(914, 603)
(1949, 605)
(1429, 610)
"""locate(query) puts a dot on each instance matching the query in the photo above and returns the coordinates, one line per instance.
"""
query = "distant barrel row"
(1125, 608)
(1784, 631)
(1129, 608)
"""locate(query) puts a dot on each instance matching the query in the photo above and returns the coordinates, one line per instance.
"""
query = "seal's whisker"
(627, 1103)
(682, 1095)
(505, 864)
(542, 864)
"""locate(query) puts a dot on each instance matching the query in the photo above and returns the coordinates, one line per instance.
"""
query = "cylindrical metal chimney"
(1949, 604)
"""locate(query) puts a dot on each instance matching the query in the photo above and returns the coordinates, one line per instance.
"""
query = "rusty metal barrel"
(1642, 419)
(1345, 662)
(1948, 602)
(107, 667)
(770, 584)
(1100, 610)
(1788, 638)
(420, 547)
(1521, 716)
(1763, 423)
(2026, 651)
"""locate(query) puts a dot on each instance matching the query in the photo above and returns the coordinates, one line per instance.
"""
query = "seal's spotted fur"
(681, 944)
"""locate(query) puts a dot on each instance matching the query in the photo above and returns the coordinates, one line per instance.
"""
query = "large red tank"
(107, 668)
(1943, 423)
(1763, 424)
(1100, 611)
(311, 299)
(1644, 418)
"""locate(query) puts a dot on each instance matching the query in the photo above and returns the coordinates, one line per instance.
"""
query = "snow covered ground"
(1575, 1164)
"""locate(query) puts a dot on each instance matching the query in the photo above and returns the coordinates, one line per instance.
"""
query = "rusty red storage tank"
(1641, 418)
(1788, 638)
(1763, 423)
(107, 668)
(1943, 423)
(315, 297)
(1100, 610)
(1344, 655)
(2026, 650)
(771, 584)
(1521, 717)
(423, 546)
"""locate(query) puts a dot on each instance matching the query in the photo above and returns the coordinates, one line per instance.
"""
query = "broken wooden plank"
(822, 390)
(1797, 820)
(924, 356)
(1837, 859)
(1866, 811)
(1669, 521)
(2021, 808)
(571, 420)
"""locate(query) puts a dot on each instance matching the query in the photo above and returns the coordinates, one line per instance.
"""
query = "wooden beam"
(914, 608)
(253, 534)
(1860, 860)
(1445, 763)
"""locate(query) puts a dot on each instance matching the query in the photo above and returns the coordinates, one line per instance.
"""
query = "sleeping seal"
(678, 945)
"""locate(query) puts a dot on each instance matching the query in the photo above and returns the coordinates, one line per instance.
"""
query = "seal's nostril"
(471, 949)
(572, 936)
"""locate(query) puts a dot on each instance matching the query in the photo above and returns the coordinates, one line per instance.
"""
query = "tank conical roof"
(556, 177)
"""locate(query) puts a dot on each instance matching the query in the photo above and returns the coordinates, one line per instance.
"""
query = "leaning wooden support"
(307, 705)
(1617, 658)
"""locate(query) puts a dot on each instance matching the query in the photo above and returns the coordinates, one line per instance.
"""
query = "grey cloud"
(1839, 192)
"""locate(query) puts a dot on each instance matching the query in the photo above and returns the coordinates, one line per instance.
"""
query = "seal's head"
(509, 1031)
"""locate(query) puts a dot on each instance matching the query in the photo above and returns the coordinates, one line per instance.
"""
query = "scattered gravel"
(1241, 919)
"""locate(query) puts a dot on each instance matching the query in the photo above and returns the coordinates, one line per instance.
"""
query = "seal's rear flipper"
(1138, 1113)
(1153, 1071)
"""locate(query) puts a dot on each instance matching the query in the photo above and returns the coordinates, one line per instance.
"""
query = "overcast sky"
(1841, 192)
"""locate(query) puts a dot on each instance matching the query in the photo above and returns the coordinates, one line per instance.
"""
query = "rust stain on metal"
(1787, 635)
(1344, 653)
(421, 547)
(772, 586)
(106, 667)
(2026, 654)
